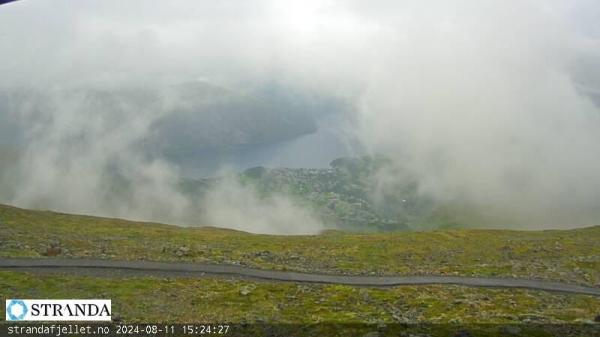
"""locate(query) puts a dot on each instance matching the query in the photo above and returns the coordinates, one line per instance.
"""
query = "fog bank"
(490, 104)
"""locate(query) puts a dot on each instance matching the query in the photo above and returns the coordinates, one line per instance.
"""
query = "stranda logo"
(58, 310)
(15, 310)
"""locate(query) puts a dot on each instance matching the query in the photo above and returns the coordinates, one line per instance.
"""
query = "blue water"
(315, 150)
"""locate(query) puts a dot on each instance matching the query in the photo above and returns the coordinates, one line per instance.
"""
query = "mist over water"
(313, 150)
(491, 105)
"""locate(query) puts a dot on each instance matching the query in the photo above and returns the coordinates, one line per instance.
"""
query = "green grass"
(150, 299)
(571, 255)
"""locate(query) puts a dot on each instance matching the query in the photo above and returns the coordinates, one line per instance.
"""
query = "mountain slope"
(572, 255)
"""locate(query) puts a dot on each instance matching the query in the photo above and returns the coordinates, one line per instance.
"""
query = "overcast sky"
(306, 41)
(482, 98)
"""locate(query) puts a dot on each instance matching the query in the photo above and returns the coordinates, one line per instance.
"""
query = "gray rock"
(371, 334)
(182, 251)
(407, 334)
(511, 330)
(54, 249)
(116, 317)
(463, 333)
(246, 290)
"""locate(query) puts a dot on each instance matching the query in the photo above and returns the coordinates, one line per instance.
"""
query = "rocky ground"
(570, 256)
(152, 299)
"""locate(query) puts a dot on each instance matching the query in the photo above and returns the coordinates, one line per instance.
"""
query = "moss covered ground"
(569, 255)
(152, 299)
(572, 255)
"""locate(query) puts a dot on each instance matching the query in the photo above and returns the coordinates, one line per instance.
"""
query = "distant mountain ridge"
(208, 117)
(199, 115)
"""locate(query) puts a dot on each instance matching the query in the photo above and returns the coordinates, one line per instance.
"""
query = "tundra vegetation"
(560, 255)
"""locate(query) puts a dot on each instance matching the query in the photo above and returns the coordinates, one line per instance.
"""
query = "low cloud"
(81, 155)
(488, 114)
(231, 204)
(481, 102)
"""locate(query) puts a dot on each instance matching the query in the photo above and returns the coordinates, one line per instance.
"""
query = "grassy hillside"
(554, 255)
(148, 299)
(572, 255)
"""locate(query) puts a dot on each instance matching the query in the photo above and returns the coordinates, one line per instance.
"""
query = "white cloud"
(478, 97)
